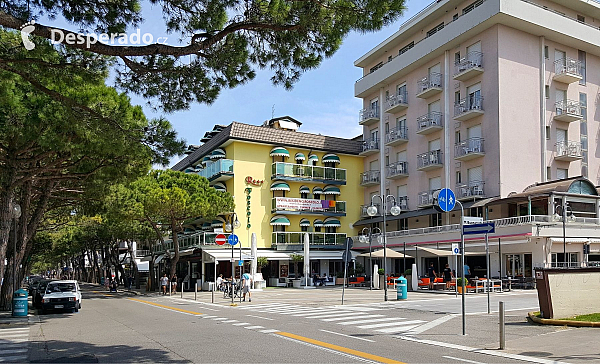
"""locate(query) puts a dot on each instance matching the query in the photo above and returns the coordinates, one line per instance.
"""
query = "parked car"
(62, 295)
(39, 288)
(32, 282)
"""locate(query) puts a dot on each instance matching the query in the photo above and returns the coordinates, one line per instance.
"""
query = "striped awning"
(313, 157)
(304, 222)
(279, 152)
(279, 220)
(318, 223)
(216, 223)
(206, 226)
(304, 189)
(332, 222)
(317, 190)
(280, 186)
(217, 154)
(331, 190)
(205, 159)
(331, 158)
(220, 186)
(189, 170)
(299, 157)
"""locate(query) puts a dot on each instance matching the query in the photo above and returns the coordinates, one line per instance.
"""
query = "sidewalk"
(6, 318)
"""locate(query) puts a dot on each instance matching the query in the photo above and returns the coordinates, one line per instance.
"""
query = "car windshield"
(60, 287)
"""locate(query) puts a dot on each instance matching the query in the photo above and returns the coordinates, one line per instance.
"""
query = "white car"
(62, 295)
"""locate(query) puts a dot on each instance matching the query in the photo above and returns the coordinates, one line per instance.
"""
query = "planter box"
(408, 281)
(381, 281)
(339, 281)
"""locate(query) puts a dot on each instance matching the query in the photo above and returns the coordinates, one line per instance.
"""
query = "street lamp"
(363, 239)
(395, 211)
(16, 213)
(563, 211)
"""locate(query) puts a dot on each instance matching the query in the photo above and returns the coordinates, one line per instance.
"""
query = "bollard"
(212, 291)
(502, 332)
(182, 291)
(195, 291)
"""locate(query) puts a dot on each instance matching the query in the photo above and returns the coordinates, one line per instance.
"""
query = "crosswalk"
(14, 344)
(341, 315)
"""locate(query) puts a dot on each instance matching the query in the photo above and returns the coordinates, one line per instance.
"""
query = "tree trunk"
(175, 259)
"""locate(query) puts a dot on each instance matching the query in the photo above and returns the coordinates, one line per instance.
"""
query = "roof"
(567, 185)
(271, 136)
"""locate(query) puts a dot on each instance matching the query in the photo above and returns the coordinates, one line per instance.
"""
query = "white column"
(543, 141)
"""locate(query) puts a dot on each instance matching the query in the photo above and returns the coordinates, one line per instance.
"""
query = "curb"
(543, 321)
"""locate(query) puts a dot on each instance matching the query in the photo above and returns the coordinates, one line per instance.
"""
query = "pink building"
(487, 98)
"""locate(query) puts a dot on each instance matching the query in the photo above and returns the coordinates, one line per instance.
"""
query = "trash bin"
(19, 303)
(401, 288)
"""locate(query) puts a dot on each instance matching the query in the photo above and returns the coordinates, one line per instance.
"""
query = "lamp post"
(363, 239)
(230, 226)
(395, 211)
(16, 213)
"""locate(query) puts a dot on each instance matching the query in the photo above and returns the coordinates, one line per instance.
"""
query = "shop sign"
(254, 182)
(301, 204)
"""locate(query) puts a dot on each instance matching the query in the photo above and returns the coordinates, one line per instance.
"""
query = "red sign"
(254, 182)
(221, 239)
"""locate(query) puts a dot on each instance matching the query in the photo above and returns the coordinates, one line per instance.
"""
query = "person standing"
(467, 271)
(164, 281)
(174, 284)
(448, 276)
(432, 275)
(246, 284)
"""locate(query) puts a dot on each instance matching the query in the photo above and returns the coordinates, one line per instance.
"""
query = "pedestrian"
(246, 284)
(448, 276)
(432, 275)
(186, 282)
(164, 281)
(114, 285)
(220, 282)
(174, 284)
(107, 283)
(467, 271)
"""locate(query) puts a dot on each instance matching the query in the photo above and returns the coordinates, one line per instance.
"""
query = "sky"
(323, 99)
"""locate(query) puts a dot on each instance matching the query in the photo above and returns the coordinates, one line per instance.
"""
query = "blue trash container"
(401, 288)
(19, 303)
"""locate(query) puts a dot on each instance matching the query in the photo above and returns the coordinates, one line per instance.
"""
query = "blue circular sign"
(233, 239)
(446, 200)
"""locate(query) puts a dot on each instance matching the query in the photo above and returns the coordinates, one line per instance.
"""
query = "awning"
(280, 186)
(143, 266)
(225, 254)
(217, 154)
(299, 157)
(331, 190)
(279, 220)
(332, 222)
(304, 189)
(205, 159)
(279, 152)
(389, 253)
(312, 158)
(304, 222)
(186, 252)
(573, 240)
(327, 254)
(220, 186)
(443, 253)
(317, 190)
(217, 223)
(318, 223)
(331, 158)
(189, 170)
(160, 258)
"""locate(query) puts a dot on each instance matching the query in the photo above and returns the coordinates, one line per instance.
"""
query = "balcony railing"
(432, 119)
(370, 145)
(363, 210)
(472, 189)
(397, 169)
(396, 135)
(217, 168)
(307, 205)
(368, 116)
(307, 172)
(432, 83)
(469, 147)
(568, 110)
(402, 201)
(568, 150)
(473, 60)
(314, 238)
(142, 253)
(370, 178)
(396, 102)
(568, 66)
(425, 198)
(430, 159)
(468, 107)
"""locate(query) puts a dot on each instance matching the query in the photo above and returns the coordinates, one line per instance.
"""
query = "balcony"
(429, 86)
(430, 160)
(471, 190)
(219, 170)
(302, 172)
(370, 178)
(402, 202)
(368, 116)
(370, 146)
(396, 136)
(468, 67)
(303, 206)
(568, 111)
(468, 108)
(397, 170)
(469, 149)
(429, 123)
(425, 198)
(363, 210)
(568, 151)
(295, 240)
(568, 70)
(396, 103)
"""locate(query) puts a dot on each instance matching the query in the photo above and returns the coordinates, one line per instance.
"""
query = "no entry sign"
(220, 239)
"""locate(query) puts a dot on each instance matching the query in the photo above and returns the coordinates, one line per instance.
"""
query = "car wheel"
(43, 311)
(76, 309)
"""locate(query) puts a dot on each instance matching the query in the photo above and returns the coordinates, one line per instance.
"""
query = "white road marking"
(254, 327)
(354, 337)
(269, 331)
(241, 324)
(397, 323)
(260, 317)
(512, 309)
(328, 315)
(262, 305)
(395, 330)
(463, 360)
(345, 318)
(364, 321)
(315, 312)
(229, 321)
(208, 317)
(220, 318)
(431, 325)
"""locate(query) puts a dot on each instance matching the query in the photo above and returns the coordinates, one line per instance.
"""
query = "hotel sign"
(300, 204)
(254, 182)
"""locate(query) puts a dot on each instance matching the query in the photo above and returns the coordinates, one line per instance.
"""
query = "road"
(123, 327)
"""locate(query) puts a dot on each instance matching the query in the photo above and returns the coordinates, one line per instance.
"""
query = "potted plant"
(459, 283)
(261, 262)
(381, 274)
(408, 276)
(339, 277)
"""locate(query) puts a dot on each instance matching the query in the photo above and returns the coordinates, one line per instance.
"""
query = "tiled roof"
(264, 135)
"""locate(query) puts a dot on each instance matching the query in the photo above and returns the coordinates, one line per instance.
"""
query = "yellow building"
(285, 183)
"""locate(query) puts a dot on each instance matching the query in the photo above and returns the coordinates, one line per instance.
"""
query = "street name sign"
(472, 220)
(446, 200)
(233, 239)
(220, 239)
(475, 229)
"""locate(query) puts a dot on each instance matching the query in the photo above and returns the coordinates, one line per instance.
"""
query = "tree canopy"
(221, 42)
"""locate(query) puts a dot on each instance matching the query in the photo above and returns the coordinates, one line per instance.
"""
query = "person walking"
(448, 276)
(246, 284)
(467, 271)
(174, 284)
(432, 275)
(164, 281)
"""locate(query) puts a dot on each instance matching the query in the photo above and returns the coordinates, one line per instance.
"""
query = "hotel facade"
(496, 100)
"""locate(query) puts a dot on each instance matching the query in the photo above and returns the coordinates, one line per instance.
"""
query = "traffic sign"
(233, 239)
(485, 228)
(472, 220)
(446, 199)
(455, 249)
(240, 263)
(220, 239)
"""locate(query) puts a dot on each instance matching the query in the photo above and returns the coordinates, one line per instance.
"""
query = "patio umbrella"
(388, 252)
(253, 253)
(306, 259)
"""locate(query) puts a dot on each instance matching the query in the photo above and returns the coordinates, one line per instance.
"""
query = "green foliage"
(408, 272)
(380, 271)
(296, 258)
(262, 262)
(459, 281)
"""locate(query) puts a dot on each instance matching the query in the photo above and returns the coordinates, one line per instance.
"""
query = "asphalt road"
(150, 328)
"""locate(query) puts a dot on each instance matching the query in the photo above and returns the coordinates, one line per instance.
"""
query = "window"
(562, 173)
(303, 228)
(454, 17)
(389, 58)
(304, 195)
(558, 260)
(387, 160)
(435, 220)
(456, 57)
(581, 56)
(387, 128)
(477, 211)
(401, 90)
(547, 133)
(377, 66)
(548, 174)
(374, 165)
(469, 8)
(374, 104)
(457, 137)
(403, 224)
(583, 105)
(580, 18)
(458, 177)
(374, 134)
(547, 91)
(435, 30)
(457, 97)
(546, 52)
(406, 48)
(278, 228)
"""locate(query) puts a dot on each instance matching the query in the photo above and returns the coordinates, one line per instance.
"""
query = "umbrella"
(306, 259)
(253, 253)
(388, 252)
